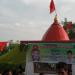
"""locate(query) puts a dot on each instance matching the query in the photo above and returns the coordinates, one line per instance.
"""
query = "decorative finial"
(55, 19)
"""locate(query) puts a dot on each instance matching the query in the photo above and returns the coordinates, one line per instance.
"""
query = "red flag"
(52, 6)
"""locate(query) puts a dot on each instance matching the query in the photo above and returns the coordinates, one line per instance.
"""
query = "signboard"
(46, 55)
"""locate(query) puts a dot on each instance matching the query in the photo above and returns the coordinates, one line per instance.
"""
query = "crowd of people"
(11, 72)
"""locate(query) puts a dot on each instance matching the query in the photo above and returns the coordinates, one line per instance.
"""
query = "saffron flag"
(52, 6)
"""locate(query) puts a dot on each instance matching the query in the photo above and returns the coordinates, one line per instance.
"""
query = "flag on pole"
(52, 6)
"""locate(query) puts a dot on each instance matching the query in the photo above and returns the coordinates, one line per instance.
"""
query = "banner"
(53, 52)
(45, 56)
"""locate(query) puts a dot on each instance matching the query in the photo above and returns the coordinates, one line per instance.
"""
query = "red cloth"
(2, 45)
(52, 6)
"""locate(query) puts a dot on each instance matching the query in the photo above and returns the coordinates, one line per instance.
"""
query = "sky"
(30, 19)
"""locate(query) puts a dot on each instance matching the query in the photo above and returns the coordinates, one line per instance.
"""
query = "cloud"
(29, 19)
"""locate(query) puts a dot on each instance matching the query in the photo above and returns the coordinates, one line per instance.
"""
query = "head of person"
(41, 74)
(0, 73)
(69, 54)
(10, 72)
(62, 68)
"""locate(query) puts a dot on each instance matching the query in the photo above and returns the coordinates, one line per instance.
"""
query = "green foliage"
(12, 57)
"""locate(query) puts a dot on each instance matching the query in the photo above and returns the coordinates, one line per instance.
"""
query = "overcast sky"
(29, 19)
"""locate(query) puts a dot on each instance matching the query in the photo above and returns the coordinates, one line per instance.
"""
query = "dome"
(55, 33)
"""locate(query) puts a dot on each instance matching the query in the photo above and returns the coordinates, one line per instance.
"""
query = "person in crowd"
(0, 73)
(62, 69)
(41, 74)
(8, 72)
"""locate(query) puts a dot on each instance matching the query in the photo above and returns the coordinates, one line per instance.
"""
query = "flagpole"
(55, 12)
